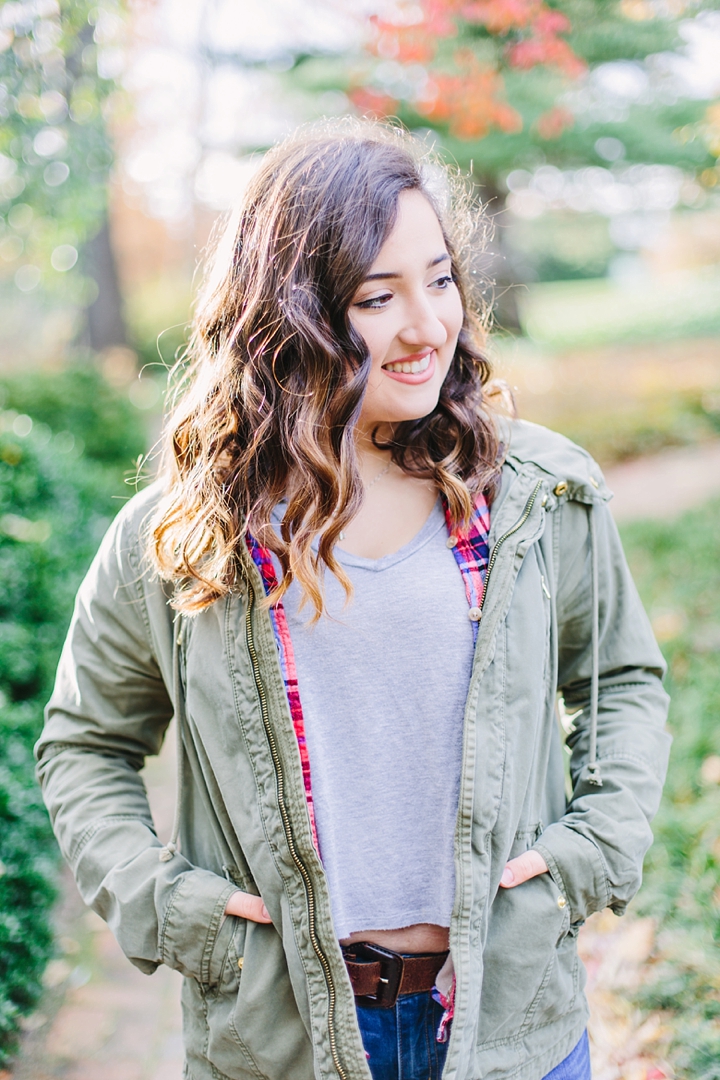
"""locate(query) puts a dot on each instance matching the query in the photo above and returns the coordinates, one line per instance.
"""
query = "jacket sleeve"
(109, 709)
(596, 850)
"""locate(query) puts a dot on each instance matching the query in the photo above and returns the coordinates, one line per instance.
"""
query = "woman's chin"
(401, 412)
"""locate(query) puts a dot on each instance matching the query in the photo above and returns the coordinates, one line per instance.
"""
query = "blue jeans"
(401, 1044)
(576, 1065)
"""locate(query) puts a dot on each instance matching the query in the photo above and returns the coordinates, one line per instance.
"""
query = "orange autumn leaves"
(470, 97)
(544, 45)
(532, 29)
(470, 102)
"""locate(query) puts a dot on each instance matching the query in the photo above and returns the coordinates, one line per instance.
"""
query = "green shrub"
(79, 400)
(27, 871)
(55, 505)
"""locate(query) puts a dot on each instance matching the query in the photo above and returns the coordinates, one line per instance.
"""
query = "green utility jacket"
(274, 1001)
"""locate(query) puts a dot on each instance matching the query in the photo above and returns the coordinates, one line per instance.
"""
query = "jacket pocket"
(218, 1003)
(252, 1024)
(208, 1010)
(530, 961)
(227, 957)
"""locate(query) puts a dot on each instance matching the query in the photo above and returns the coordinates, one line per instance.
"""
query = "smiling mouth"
(409, 367)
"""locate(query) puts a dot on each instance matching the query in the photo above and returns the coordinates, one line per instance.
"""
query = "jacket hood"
(576, 474)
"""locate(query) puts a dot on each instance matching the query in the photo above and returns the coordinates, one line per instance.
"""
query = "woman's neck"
(370, 458)
(394, 508)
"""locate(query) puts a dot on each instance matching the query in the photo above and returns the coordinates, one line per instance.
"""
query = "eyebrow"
(382, 276)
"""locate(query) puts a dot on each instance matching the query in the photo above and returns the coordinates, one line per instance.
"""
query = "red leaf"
(500, 16)
(369, 102)
(551, 22)
(554, 122)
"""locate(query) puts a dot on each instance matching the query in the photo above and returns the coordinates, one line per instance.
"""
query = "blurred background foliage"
(677, 573)
(62, 474)
(571, 107)
(514, 85)
(56, 86)
(590, 130)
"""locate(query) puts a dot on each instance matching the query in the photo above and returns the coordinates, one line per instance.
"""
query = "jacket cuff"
(190, 933)
(578, 868)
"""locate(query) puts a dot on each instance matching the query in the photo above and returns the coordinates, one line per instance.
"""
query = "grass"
(564, 314)
(676, 566)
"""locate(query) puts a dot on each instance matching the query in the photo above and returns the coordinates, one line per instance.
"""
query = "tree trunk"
(105, 319)
(497, 261)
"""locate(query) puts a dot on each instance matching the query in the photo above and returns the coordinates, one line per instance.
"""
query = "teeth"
(405, 367)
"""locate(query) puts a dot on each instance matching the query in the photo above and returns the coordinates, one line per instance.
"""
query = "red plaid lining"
(471, 552)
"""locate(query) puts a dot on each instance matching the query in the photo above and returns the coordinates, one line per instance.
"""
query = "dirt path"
(665, 484)
(103, 1020)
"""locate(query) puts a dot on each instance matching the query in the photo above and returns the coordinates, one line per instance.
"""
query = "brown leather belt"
(378, 976)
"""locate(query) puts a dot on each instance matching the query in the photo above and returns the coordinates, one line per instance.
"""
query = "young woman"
(359, 593)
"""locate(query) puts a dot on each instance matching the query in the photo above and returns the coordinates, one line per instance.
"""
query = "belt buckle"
(391, 972)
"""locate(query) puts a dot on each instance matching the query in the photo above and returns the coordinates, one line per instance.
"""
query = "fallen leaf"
(56, 973)
(668, 624)
(710, 770)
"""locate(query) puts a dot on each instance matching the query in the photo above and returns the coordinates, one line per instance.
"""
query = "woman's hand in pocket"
(247, 906)
(524, 867)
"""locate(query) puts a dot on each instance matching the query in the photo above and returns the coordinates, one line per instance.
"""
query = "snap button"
(451, 541)
(240, 962)
(594, 482)
(561, 902)
(475, 614)
(561, 488)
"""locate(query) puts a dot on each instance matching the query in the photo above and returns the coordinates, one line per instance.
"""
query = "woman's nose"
(422, 326)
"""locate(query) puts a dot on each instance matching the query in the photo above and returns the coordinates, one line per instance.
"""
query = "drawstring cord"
(166, 853)
(594, 776)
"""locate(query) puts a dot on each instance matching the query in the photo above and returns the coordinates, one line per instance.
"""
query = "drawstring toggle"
(167, 852)
(594, 776)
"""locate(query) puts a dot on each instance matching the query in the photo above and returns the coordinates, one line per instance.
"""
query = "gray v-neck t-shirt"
(383, 682)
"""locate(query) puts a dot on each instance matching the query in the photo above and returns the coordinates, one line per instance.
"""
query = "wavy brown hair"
(274, 379)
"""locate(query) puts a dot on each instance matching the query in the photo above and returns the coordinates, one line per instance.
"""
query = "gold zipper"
(518, 525)
(287, 827)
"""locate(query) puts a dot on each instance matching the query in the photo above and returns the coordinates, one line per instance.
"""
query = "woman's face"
(408, 310)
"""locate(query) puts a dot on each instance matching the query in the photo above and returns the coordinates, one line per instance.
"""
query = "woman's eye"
(374, 301)
(444, 281)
